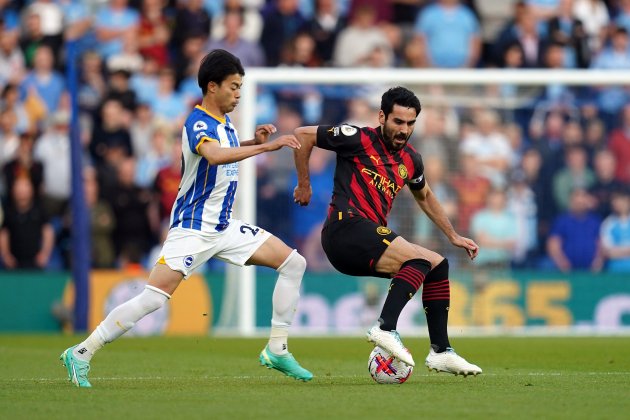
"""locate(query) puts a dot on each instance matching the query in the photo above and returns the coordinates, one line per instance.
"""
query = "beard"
(395, 141)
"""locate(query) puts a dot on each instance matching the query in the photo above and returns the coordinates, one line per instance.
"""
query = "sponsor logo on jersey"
(402, 171)
(188, 261)
(382, 230)
(376, 159)
(200, 125)
(334, 131)
(381, 183)
(348, 130)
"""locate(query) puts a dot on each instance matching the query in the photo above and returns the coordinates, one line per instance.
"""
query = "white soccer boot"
(450, 362)
(390, 341)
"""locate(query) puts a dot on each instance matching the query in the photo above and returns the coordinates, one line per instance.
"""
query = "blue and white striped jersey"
(206, 192)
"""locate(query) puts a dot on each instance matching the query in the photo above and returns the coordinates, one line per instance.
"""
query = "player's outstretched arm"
(307, 136)
(432, 207)
(217, 155)
(261, 135)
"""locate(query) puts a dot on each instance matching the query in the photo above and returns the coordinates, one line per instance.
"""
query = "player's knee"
(439, 272)
(153, 298)
(294, 265)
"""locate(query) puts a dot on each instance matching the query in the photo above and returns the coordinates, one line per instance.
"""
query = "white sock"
(120, 320)
(285, 298)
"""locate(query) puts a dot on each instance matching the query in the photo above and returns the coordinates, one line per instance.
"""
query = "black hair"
(216, 66)
(399, 96)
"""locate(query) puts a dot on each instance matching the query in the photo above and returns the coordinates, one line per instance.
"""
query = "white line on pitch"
(165, 378)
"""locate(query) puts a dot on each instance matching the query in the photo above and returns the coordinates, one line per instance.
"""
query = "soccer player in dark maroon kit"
(373, 165)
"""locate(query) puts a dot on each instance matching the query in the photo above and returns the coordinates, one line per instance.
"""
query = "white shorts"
(186, 249)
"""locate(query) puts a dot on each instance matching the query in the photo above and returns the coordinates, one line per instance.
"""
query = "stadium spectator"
(357, 43)
(78, 23)
(282, 22)
(495, 229)
(615, 234)
(10, 99)
(619, 144)
(156, 157)
(622, 20)
(9, 139)
(114, 22)
(53, 150)
(24, 165)
(43, 80)
(595, 18)
(189, 56)
(102, 223)
(92, 82)
(110, 132)
(605, 183)
(250, 52)
(544, 9)
(166, 184)
(450, 32)
(128, 58)
(12, 65)
(472, 190)
(325, 26)
(573, 242)
(191, 20)
(130, 204)
(300, 52)
(26, 237)
(565, 29)
(119, 89)
(33, 37)
(141, 129)
(252, 18)
(616, 56)
(521, 203)
(575, 174)
(145, 82)
(167, 103)
(594, 139)
(154, 32)
(490, 147)
(531, 164)
(9, 16)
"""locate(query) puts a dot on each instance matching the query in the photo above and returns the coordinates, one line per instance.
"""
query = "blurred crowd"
(539, 180)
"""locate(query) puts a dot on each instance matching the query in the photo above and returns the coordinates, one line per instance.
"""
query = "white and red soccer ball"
(386, 369)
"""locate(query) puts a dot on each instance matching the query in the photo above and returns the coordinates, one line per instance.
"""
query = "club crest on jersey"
(382, 230)
(334, 131)
(348, 130)
(188, 261)
(200, 125)
(402, 171)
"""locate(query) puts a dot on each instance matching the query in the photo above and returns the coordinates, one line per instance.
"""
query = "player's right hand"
(302, 195)
(288, 140)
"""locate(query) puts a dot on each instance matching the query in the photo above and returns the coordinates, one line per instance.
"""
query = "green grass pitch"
(219, 378)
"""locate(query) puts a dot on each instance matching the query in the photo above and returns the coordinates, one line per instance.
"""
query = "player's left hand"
(263, 132)
(468, 244)
(302, 195)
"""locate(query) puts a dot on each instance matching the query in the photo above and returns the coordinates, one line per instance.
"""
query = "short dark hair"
(399, 96)
(216, 66)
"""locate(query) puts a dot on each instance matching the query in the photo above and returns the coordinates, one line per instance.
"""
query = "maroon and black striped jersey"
(368, 176)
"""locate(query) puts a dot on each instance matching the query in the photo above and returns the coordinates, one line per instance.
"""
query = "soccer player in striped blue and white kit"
(202, 226)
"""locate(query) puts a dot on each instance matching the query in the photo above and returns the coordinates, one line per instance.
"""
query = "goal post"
(241, 283)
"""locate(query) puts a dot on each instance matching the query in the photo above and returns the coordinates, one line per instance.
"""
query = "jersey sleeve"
(200, 130)
(416, 181)
(342, 139)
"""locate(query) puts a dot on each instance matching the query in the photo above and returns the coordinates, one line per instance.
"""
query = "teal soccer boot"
(285, 363)
(77, 369)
